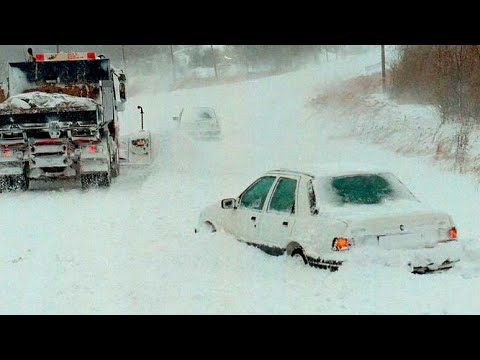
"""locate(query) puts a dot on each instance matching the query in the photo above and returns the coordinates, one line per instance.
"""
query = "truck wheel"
(20, 183)
(4, 183)
(86, 181)
(116, 165)
(115, 162)
(104, 180)
(96, 180)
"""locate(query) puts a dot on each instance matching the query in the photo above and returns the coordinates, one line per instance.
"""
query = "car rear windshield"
(362, 189)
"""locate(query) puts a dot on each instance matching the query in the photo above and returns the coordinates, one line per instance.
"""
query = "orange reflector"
(341, 244)
(92, 148)
(452, 233)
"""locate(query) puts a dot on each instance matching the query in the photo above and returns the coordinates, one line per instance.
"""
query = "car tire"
(209, 227)
(300, 254)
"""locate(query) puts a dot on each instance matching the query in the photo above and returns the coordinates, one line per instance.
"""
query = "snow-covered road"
(131, 248)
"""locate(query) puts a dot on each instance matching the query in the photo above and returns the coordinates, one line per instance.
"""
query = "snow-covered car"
(199, 122)
(336, 216)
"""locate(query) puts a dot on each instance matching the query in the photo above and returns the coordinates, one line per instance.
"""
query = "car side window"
(254, 197)
(283, 198)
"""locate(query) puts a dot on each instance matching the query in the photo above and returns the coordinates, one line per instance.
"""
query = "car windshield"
(362, 189)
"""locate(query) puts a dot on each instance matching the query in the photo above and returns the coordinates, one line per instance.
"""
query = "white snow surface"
(41, 100)
(131, 249)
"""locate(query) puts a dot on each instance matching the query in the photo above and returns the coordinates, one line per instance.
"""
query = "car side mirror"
(229, 204)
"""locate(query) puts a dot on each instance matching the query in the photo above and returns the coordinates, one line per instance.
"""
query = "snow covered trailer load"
(60, 120)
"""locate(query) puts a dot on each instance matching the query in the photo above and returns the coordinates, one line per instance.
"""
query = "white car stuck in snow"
(336, 216)
(199, 122)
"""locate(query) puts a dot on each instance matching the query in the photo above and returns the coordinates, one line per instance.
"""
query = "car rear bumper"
(442, 257)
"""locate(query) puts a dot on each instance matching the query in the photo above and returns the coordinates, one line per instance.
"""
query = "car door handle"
(285, 223)
(253, 218)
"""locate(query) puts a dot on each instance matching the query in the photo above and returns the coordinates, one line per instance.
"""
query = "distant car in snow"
(336, 216)
(199, 122)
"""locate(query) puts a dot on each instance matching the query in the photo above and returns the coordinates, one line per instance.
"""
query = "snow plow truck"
(60, 120)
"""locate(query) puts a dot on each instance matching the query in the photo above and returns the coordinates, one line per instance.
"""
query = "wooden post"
(384, 74)
(173, 64)
(214, 62)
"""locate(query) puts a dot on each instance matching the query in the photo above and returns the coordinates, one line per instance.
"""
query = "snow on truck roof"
(334, 169)
(39, 100)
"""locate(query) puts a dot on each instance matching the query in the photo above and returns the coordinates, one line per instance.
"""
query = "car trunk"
(394, 228)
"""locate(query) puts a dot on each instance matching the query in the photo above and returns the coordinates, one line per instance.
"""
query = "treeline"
(151, 58)
(447, 76)
(274, 56)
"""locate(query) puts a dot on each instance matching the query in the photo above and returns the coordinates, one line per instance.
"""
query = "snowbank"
(362, 110)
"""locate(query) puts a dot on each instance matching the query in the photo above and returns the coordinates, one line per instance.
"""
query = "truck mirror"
(123, 92)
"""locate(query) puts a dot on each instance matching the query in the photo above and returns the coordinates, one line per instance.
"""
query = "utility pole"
(384, 74)
(214, 62)
(57, 48)
(123, 55)
(173, 64)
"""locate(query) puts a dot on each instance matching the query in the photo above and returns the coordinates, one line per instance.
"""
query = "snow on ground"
(131, 248)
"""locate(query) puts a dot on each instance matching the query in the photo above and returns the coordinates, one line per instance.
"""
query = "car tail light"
(452, 233)
(92, 148)
(40, 57)
(6, 152)
(91, 55)
(341, 244)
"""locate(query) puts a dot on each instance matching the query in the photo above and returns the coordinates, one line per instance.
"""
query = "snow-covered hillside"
(131, 248)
